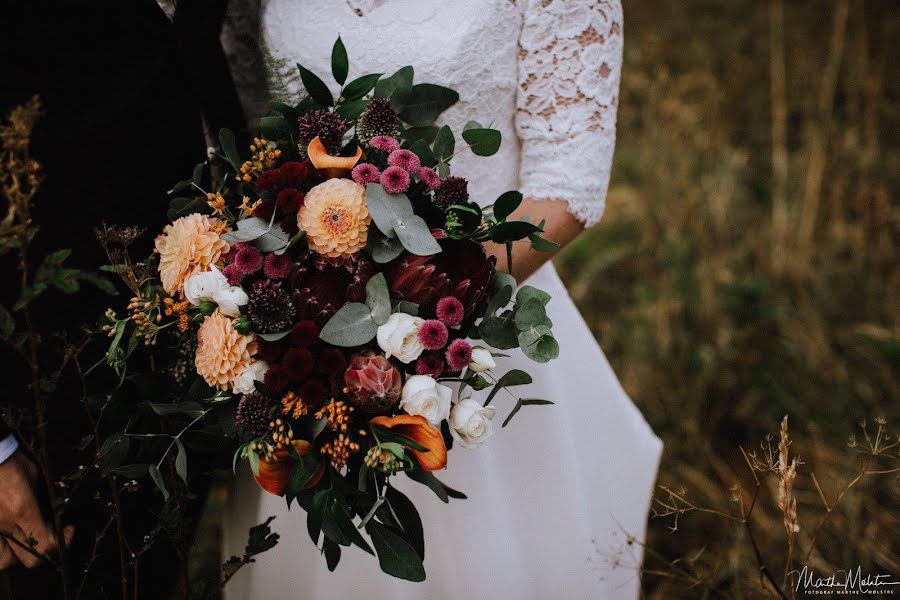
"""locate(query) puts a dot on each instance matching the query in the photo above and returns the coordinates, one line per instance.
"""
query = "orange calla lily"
(419, 430)
(273, 476)
(322, 160)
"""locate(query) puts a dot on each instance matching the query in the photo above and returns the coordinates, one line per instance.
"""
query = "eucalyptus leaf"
(531, 314)
(382, 248)
(351, 326)
(499, 333)
(340, 64)
(506, 204)
(114, 451)
(527, 292)
(315, 87)
(378, 299)
(502, 279)
(410, 308)
(273, 240)
(499, 300)
(181, 461)
(415, 235)
(538, 344)
(157, 478)
(483, 142)
(273, 337)
(510, 379)
(386, 208)
(248, 230)
(472, 125)
(427, 133)
(186, 409)
(426, 102)
(421, 149)
(397, 87)
(444, 144)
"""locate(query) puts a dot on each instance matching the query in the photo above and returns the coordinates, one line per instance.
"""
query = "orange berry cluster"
(292, 404)
(282, 434)
(263, 159)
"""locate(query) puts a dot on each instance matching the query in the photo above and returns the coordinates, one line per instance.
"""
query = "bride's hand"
(560, 226)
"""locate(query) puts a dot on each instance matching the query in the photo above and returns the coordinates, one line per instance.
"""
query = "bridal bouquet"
(335, 289)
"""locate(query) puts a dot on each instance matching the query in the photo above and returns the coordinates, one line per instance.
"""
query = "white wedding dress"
(554, 497)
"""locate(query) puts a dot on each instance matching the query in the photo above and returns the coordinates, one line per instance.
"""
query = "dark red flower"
(304, 334)
(462, 270)
(248, 260)
(430, 364)
(332, 362)
(264, 211)
(270, 351)
(278, 266)
(314, 392)
(322, 285)
(289, 225)
(294, 173)
(298, 362)
(277, 379)
(450, 311)
(289, 200)
(269, 180)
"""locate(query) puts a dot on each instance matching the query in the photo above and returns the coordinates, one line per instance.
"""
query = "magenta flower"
(365, 173)
(450, 310)
(248, 259)
(433, 334)
(459, 355)
(233, 274)
(429, 177)
(395, 180)
(277, 266)
(384, 143)
(405, 159)
(430, 364)
(229, 256)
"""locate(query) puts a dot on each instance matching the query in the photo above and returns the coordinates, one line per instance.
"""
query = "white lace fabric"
(570, 55)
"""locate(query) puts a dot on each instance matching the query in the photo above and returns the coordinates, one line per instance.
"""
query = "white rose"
(255, 371)
(230, 300)
(470, 423)
(201, 287)
(481, 360)
(424, 396)
(399, 337)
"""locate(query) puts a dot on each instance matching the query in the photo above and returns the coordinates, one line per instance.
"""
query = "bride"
(556, 501)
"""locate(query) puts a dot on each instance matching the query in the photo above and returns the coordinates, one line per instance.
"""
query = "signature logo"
(853, 582)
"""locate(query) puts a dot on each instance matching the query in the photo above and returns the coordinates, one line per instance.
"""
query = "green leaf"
(350, 111)
(396, 556)
(386, 435)
(510, 379)
(511, 231)
(135, 471)
(472, 125)
(7, 323)
(187, 409)
(523, 402)
(348, 528)
(157, 478)
(386, 208)
(538, 344)
(181, 461)
(315, 87)
(405, 511)
(435, 485)
(531, 314)
(114, 451)
(421, 149)
(340, 64)
(351, 326)
(499, 300)
(248, 230)
(360, 86)
(179, 207)
(506, 204)
(303, 471)
(502, 279)
(316, 513)
(229, 148)
(414, 234)
(500, 333)
(410, 308)
(444, 144)
(332, 554)
(426, 102)
(483, 142)
(542, 244)
(397, 87)
(382, 248)
(427, 133)
(275, 127)
(378, 299)
(527, 292)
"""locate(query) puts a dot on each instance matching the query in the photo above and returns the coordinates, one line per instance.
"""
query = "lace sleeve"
(570, 58)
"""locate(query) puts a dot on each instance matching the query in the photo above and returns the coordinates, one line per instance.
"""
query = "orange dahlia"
(335, 218)
(222, 352)
(188, 246)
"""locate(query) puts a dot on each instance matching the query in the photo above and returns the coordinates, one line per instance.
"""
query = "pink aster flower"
(365, 173)
(459, 355)
(430, 177)
(277, 266)
(433, 334)
(384, 143)
(248, 259)
(405, 159)
(430, 364)
(395, 180)
(450, 310)
(233, 274)
(229, 256)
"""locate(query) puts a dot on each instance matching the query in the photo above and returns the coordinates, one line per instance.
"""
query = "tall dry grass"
(747, 268)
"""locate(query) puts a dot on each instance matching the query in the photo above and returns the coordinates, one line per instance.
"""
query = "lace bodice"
(544, 72)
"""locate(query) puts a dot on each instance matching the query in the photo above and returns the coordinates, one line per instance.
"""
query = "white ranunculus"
(230, 300)
(482, 360)
(201, 287)
(399, 337)
(424, 396)
(470, 422)
(255, 371)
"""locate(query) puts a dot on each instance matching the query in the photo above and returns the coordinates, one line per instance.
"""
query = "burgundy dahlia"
(278, 266)
(248, 259)
(252, 414)
(304, 334)
(321, 285)
(462, 270)
(332, 362)
(314, 392)
(374, 384)
(430, 364)
(270, 308)
(328, 126)
(298, 362)
(277, 379)
(289, 200)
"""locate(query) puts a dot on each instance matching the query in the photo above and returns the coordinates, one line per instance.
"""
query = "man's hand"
(20, 515)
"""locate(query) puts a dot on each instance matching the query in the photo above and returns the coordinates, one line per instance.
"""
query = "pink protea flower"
(459, 355)
(450, 310)
(395, 180)
(433, 334)
(429, 177)
(277, 266)
(365, 173)
(430, 364)
(248, 259)
(233, 274)
(384, 143)
(373, 383)
(405, 159)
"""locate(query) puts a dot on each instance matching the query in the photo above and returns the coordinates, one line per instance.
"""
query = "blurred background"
(746, 269)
